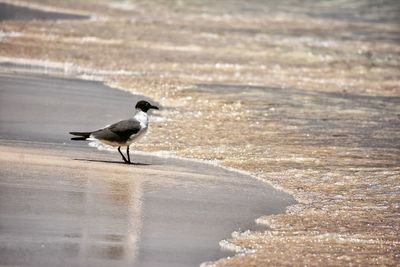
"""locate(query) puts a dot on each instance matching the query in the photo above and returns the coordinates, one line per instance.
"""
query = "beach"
(64, 203)
(302, 97)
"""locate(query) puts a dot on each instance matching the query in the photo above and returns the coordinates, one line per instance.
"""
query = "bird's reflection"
(109, 227)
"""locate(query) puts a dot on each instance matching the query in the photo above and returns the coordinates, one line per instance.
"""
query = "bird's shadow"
(114, 162)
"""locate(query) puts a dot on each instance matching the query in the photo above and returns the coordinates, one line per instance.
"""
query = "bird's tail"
(81, 136)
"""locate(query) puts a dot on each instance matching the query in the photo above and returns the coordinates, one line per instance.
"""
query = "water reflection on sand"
(87, 218)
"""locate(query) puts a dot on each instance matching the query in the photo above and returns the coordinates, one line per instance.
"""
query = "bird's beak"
(154, 107)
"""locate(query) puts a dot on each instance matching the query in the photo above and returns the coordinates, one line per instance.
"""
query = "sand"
(302, 95)
(15, 12)
(63, 203)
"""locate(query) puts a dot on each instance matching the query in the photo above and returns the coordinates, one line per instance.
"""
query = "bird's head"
(144, 106)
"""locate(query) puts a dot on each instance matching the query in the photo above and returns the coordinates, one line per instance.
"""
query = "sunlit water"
(302, 94)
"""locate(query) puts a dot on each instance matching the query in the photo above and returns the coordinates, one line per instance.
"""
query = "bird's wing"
(130, 125)
(118, 132)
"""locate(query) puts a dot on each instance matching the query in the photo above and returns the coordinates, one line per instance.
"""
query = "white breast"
(143, 118)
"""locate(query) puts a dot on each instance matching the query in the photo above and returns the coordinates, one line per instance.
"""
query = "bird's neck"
(142, 117)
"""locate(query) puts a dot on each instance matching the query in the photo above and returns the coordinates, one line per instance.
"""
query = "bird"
(122, 133)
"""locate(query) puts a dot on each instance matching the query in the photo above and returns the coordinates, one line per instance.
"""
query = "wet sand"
(66, 204)
(13, 12)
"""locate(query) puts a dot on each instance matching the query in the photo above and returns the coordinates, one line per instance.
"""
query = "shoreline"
(20, 65)
(182, 175)
(317, 171)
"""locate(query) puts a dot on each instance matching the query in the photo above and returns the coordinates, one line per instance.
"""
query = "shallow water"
(304, 95)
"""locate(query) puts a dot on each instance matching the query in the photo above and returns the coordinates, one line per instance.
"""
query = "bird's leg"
(123, 157)
(127, 153)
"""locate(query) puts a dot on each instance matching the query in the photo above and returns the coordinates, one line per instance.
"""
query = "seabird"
(122, 133)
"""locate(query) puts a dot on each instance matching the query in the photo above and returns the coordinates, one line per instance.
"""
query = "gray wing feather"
(118, 132)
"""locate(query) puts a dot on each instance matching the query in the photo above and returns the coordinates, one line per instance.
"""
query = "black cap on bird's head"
(144, 106)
